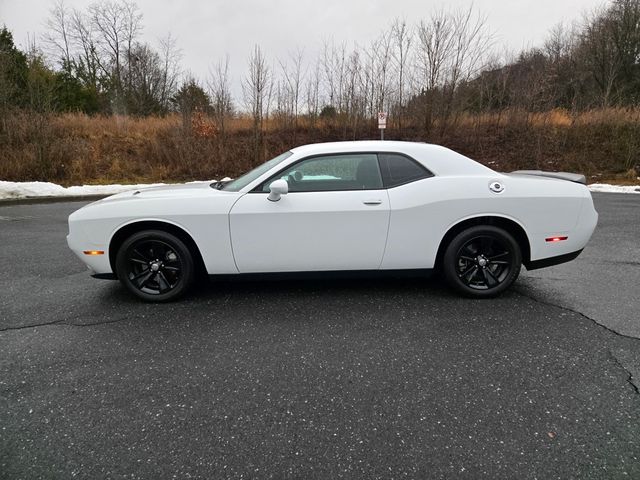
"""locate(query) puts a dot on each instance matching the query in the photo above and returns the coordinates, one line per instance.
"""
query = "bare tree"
(313, 92)
(220, 92)
(402, 41)
(293, 75)
(471, 43)
(170, 56)
(599, 56)
(117, 24)
(625, 18)
(380, 52)
(452, 49)
(563, 70)
(333, 66)
(88, 63)
(257, 90)
(493, 85)
(58, 36)
(328, 73)
(355, 101)
(435, 47)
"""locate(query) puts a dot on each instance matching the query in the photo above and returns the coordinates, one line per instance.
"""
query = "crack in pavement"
(106, 322)
(569, 309)
(35, 325)
(621, 335)
(60, 322)
(516, 290)
(629, 374)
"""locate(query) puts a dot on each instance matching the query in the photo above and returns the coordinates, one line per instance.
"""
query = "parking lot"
(364, 378)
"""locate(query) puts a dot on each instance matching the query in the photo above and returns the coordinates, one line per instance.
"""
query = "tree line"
(426, 74)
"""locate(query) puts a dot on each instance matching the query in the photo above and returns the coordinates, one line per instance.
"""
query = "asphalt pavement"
(367, 378)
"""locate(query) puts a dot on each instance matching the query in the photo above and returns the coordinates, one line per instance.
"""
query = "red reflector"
(555, 239)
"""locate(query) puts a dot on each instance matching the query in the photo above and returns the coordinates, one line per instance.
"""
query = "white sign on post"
(382, 120)
(382, 123)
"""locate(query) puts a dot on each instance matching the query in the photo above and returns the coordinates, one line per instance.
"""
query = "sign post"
(382, 123)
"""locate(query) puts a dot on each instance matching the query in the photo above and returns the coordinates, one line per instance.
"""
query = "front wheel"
(155, 265)
(482, 261)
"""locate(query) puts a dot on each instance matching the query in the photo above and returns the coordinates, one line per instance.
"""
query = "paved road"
(346, 379)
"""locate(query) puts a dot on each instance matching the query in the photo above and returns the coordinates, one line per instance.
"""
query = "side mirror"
(277, 189)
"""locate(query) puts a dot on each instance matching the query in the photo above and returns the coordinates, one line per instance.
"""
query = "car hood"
(193, 189)
(158, 202)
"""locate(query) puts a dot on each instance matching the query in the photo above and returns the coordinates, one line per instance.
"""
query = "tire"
(154, 265)
(482, 261)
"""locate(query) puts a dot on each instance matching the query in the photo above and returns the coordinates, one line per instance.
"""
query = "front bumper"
(98, 264)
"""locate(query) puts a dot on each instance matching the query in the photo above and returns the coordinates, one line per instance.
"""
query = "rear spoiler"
(572, 177)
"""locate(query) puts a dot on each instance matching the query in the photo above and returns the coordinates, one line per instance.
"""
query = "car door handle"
(372, 202)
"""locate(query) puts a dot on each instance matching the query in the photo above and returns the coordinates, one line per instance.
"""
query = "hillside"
(77, 149)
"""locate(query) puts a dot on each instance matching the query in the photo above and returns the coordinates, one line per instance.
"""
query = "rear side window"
(397, 169)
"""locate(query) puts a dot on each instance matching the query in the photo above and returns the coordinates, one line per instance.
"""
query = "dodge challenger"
(380, 206)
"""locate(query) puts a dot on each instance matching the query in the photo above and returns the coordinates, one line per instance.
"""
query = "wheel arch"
(125, 231)
(511, 226)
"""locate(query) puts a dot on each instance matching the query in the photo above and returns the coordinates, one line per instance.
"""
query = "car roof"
(440, 160)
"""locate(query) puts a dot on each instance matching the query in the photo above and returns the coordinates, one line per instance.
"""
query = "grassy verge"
(74, 149)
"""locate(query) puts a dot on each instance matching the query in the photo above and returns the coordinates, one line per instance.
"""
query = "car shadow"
(218, 288)
(223, 289)
(311, 285)
(231, 303)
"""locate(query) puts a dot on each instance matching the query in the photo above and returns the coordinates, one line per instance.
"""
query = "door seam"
(386, 240)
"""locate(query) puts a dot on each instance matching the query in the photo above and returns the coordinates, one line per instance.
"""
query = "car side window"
(332, 173)
(398, 169)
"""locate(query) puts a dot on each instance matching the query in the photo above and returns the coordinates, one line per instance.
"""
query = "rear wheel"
(482, 261)
(155, 265)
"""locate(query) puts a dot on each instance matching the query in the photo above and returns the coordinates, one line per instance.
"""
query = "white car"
(346, 206)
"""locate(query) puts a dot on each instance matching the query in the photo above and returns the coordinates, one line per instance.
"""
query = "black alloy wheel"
(155, 265)
(482, 261)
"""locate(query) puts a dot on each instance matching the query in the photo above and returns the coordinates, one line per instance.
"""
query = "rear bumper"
(543, 252)
(551, 261)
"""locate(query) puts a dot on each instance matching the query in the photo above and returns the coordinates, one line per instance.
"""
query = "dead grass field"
(79, 149)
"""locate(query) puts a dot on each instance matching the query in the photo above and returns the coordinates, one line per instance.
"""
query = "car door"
(334, 217)
(416, 205)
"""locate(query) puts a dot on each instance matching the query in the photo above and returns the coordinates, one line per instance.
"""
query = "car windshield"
(241, 182)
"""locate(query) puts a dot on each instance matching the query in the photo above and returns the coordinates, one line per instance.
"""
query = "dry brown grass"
(78, 149)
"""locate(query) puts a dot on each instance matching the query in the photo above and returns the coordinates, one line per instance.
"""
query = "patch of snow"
(605, 187)
(15, 190)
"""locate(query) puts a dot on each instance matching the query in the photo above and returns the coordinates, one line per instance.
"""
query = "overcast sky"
(206, 30)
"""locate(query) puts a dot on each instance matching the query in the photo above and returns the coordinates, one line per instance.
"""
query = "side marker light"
(555, 239)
